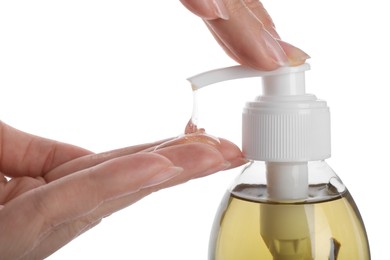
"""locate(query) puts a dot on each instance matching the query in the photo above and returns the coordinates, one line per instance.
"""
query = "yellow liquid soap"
(245, 229)
(192, 134)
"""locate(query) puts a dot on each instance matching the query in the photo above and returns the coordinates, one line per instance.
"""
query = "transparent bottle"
(252, 224)
(287, 204)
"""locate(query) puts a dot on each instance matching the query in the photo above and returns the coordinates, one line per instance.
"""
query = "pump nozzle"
(284, 124)
(282, 81)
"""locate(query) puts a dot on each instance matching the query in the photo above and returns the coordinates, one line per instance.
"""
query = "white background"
(108, 74)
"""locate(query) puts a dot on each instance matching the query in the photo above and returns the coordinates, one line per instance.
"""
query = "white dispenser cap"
(284, 124)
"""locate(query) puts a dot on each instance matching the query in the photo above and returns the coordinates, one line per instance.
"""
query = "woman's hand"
(54, 191)
(246, 32)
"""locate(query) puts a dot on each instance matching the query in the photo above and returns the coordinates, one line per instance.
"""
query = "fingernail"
(295, 55)
(275, 50)
(299, 58)
(162, 176)
(220, 9)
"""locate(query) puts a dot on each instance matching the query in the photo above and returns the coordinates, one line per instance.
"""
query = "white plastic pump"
(284, 127)
(284, 124)
(287, 203)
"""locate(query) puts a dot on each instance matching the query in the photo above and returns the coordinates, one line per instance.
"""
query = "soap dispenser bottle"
(287, 204)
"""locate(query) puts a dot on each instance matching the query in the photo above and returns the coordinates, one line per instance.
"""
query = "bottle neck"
(287, 180)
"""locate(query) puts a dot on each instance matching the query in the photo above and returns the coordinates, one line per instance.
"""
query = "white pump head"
(284, 124)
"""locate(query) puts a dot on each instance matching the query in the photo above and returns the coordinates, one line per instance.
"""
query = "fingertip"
(229, 149)
(232, 153)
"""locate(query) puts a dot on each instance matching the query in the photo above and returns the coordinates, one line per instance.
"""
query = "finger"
(246, 36)
(207, 9)
(41, 210)
(224, 46)
(196, 160)
(24, 154)
(60, 237)
(95, 159)
(258, 10)
(229, 151)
